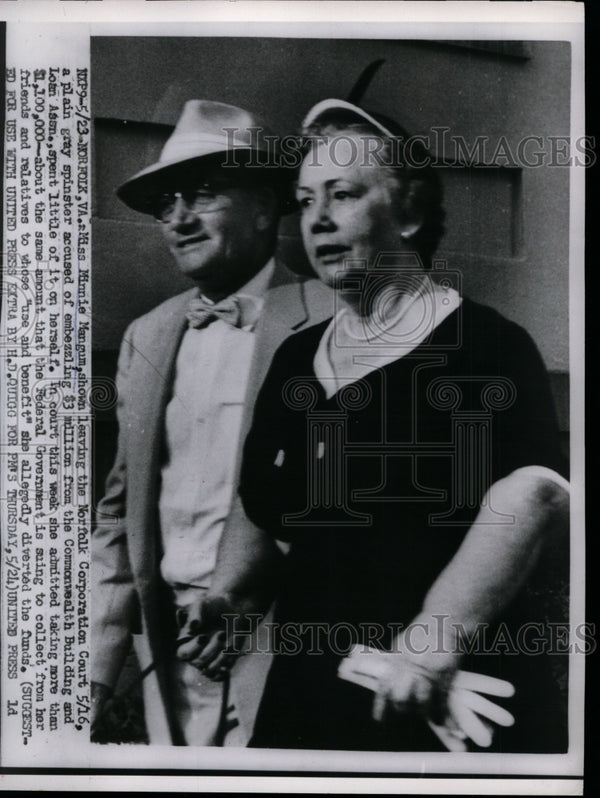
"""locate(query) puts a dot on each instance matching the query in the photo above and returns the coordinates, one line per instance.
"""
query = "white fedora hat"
(207, 130)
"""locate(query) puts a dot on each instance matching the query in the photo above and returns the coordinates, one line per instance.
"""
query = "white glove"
(465, 705)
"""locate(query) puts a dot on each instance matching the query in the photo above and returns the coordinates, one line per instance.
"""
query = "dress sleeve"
(525, 432)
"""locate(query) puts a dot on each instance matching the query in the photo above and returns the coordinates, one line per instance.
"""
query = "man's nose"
(182, 214)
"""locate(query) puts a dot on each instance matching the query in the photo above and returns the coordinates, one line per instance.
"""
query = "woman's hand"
(468, 716)
(417, 675)
(491, 565)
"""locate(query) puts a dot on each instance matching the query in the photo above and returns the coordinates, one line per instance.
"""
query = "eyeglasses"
(203, 199)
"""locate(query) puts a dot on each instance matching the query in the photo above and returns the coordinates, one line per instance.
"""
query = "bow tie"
(237, 311)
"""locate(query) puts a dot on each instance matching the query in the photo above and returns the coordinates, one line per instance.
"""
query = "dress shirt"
(202, 429)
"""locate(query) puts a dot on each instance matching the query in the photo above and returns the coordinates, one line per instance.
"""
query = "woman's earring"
(410, 229)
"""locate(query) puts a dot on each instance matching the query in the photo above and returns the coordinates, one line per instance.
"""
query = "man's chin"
(205, 270)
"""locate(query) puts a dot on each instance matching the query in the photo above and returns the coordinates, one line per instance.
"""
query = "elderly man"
(188, 374)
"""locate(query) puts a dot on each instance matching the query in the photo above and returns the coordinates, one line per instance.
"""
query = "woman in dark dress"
(407, 452)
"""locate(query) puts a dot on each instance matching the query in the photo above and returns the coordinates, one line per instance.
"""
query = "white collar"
(341, 358)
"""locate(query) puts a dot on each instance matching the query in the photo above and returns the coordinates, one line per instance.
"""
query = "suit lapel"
(152, 384)
(284, 311)
(290, 305)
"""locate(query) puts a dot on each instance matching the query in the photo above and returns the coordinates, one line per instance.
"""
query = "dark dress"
(375, 488)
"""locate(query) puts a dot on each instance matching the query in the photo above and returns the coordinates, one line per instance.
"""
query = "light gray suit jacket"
(128, 595)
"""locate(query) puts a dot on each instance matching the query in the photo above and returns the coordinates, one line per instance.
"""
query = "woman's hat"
(385, 125)
(327, 107)
(207, 134)
(411, 154)
(329, 110)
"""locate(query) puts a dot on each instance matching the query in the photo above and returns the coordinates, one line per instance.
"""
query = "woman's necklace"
(350, 333)
(389, 308)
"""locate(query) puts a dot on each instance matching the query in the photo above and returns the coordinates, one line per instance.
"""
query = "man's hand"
(207, 637)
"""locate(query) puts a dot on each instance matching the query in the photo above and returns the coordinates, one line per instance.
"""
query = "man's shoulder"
(172, 308)
(290, 290)
(287, 291)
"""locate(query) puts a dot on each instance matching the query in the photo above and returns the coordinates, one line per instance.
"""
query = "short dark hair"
(418, 180)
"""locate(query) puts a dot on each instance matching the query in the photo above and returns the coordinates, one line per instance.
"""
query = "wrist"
(431, 644)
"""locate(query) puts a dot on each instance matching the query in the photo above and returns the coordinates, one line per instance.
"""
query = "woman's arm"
(495, 559)
(490, 567)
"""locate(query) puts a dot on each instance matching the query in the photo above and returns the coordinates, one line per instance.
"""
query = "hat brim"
(326, 106)
(253, 166)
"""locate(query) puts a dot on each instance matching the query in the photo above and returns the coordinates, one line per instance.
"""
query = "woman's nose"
(322, 220)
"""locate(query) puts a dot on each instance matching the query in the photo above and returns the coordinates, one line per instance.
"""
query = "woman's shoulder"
(484, 323)
(480, 314)
(490, 339)
(295, 354)
(305, 340)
